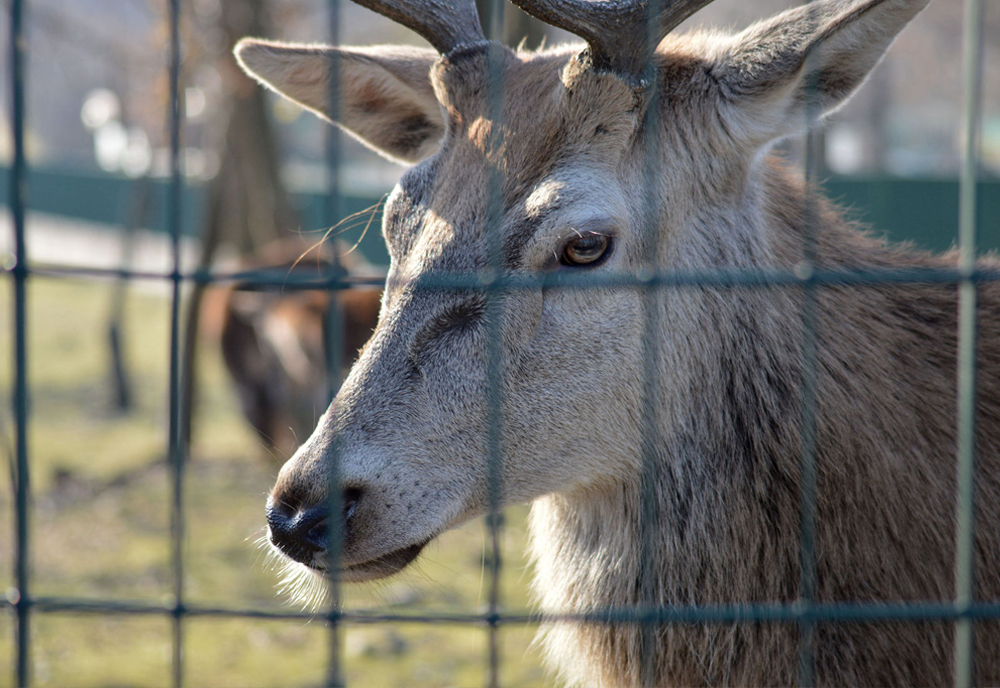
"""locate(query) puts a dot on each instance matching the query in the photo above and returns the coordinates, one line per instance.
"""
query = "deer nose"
(302, 532)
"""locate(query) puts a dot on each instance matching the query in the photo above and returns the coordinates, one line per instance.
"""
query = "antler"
(622, 34)
(446, 25)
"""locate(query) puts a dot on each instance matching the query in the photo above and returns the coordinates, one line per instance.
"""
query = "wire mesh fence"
(496, 285)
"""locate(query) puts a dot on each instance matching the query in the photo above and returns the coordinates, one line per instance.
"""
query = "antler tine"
(445, 24)
(622, 34)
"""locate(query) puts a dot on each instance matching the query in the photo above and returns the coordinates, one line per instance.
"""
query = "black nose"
(303, 532)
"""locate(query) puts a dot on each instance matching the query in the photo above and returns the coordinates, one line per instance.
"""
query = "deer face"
(411, 422)
(563, 164)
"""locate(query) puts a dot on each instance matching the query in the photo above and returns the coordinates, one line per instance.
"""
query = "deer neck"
(720, 478)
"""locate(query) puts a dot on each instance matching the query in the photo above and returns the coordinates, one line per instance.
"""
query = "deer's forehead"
(527, 109)
(542, 128)
(552, 158)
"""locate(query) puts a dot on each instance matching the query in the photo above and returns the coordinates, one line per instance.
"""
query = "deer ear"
(780, 76)
(386, 99)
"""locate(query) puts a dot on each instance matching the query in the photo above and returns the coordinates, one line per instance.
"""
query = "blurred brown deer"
(275, 338)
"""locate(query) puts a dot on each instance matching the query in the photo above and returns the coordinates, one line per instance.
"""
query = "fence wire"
(22, 485)
(334, 344)
(967, 324)
(175, 443)
(805, 612)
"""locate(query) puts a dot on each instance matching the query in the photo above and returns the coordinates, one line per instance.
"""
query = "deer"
(657, 431)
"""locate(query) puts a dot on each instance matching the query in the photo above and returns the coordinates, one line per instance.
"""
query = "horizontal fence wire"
(805, 612)
(721, 278)
(831, 612)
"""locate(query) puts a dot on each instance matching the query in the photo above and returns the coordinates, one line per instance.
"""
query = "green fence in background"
(924, 211)
(111, 200)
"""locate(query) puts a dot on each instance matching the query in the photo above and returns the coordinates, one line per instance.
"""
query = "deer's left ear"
(385, 98)
(782, 75)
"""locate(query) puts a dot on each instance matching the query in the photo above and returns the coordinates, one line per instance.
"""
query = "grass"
(100, 529)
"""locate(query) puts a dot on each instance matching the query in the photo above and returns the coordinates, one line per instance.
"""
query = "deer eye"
(586, 249)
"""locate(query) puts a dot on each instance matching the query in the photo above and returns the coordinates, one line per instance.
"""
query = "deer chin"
(307, 583)
(382, 566)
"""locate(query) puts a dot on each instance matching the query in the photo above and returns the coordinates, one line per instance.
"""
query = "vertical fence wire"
(806, 271)
(965, 483)
(334, 345)
(18, 200)
(494, 318)
(649, 601)
(334, 207)
(807, 493)
(175, 444)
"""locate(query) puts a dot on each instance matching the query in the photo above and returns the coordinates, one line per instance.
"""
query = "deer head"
(642, 150)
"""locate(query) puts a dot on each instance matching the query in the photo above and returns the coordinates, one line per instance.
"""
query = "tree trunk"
(248, 205)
